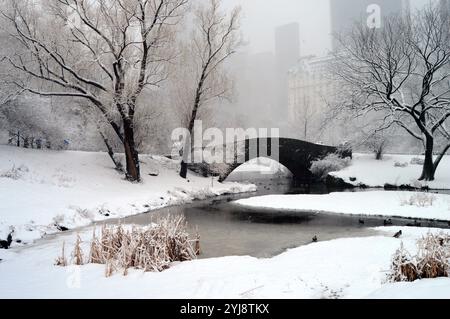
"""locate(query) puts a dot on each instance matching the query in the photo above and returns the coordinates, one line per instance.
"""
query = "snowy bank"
(373, 203)
(305, 272)
(40, 189)
(392, 169)
(438, 288)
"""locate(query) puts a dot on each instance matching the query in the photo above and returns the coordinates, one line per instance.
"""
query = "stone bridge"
(295, 155)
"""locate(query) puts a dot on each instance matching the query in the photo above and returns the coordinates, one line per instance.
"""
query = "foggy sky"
(260, 17)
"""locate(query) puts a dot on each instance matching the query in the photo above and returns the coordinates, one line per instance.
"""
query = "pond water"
(227, 229)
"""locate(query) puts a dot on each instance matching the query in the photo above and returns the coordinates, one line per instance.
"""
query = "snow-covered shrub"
(417, 184)
(417, 161)
(401, 165)
(403, 266)
(12, 173)
(345, 149)
(419, 200)
(431, 261)
(377, 143)
(151, 248)
(59, 219)
(84, 213)
(433, 256)
(61, 180)
(15, 172)
(331, 163)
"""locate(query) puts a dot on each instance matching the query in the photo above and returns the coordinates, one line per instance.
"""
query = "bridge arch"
(260, 166)
(296, 155)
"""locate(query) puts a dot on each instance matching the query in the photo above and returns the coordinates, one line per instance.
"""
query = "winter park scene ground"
(160, 150)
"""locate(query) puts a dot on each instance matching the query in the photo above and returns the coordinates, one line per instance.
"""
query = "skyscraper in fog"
(344, 13)
(287, 53)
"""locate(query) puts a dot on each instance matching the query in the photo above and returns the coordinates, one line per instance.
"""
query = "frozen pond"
(226, 229)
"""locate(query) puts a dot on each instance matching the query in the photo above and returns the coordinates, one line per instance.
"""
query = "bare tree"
(402, 71)
(377, 141)
(214, 41)
(106, 52)
(29, 124)
(148, 125)
(303, 118)
(110, 140)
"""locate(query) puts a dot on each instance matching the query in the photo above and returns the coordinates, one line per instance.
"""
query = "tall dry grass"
(61, 260)
(431, 261)
(151, 248)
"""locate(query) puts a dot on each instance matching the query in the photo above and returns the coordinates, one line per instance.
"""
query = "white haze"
(261, 17)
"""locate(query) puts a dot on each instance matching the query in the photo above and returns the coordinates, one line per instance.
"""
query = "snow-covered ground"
(438, 288)
(39, 189)
(344, 268)
(370, 172)
(374, 203)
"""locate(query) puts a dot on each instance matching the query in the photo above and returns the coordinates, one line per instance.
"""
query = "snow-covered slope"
(40, 188)
(370, 172)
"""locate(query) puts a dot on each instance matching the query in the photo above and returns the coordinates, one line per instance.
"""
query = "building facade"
(310, 91)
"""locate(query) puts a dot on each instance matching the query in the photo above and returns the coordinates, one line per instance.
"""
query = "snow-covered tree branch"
(215, 39)
(401, 71)
(105, 52)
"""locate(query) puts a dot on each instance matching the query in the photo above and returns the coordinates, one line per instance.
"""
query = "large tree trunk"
(131, 154)
(188, 145)
(428, 166)
(305, 131)
(440, 157)
(26, 142)
(117, 163)
(379, 152)
(187, 150)
(190, 140)
(183, 170)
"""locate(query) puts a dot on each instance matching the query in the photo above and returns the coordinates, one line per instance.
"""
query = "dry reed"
(61, 260)
(151, 248)
(431, 261)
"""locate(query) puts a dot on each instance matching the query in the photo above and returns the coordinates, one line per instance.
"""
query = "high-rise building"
(287, 53)
(345, 13)
(254, 97)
